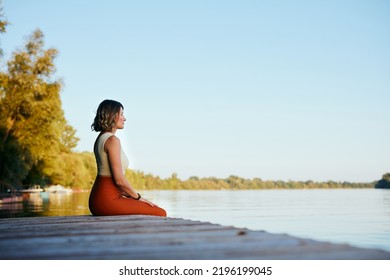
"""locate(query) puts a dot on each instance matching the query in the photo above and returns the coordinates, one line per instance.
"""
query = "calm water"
(359, 217)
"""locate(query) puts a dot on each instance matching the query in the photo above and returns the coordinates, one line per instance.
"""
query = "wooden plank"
(149, 237)
(85, 228)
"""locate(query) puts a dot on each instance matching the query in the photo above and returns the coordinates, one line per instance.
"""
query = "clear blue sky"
(279, 90)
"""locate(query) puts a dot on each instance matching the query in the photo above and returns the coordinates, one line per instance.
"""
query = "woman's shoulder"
(112, 138)
(111, 141)
(104, 138)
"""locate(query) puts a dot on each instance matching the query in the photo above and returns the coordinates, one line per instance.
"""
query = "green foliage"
(142, 181)
(384, 183)
(76, 170)
(386, 177)
(31, 105)
(14, 162)
(35, 140)
(3, 22)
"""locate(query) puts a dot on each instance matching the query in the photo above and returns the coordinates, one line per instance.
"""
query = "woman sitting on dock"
(112, 193)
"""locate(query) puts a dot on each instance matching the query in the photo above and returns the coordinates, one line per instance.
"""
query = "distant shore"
(149, 181)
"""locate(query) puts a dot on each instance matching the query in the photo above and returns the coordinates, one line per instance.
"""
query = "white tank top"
(103, 166)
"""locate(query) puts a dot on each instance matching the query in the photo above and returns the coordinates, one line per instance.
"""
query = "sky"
(277, 90)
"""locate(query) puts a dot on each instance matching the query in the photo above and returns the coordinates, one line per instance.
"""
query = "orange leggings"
(105, 199)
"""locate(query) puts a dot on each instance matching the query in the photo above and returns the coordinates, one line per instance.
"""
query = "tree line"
(37, 143)
(149, 181)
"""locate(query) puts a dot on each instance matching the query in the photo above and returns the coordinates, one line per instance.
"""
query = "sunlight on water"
(358, 217)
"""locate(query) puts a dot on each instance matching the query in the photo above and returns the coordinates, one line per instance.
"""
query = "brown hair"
(106, 115)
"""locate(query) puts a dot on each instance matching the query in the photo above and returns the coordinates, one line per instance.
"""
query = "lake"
(360, 217)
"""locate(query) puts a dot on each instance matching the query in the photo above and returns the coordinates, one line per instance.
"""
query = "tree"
(384, 183)
(3, 24)
(33, 128)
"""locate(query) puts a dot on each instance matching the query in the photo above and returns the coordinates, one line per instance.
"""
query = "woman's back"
(103, 165)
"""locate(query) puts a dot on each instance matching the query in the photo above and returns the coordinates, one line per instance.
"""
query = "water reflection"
(47, 204)
(34, 202)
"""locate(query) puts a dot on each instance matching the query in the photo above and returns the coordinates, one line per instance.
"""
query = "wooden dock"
(150, 238)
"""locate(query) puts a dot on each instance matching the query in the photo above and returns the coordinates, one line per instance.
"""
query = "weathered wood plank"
(148, 237)
(93, 227)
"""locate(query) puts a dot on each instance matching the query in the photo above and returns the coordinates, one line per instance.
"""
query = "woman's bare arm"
(113, 150)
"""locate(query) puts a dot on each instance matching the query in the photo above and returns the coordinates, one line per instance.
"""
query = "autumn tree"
(33, 128)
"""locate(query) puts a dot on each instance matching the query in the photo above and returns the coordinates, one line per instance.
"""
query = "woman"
(112, 194)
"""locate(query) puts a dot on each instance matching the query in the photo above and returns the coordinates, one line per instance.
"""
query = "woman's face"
(120, 121)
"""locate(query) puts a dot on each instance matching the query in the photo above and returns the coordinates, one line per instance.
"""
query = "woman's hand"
(148, 202)
(141, 199)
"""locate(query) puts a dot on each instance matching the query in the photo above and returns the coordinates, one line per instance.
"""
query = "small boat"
(11, 199)
(58, 189)
(33, 189)
(8, 194)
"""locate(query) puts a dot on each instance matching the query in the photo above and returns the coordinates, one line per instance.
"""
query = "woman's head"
(107, 115)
